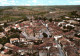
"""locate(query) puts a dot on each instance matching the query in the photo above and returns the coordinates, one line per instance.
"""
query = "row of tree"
(71, 15)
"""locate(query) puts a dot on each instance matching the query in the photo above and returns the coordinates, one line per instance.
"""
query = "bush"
(4, 40)
(1, 29)
(45, 35)
(14, 36)
(15, 30)
(5, 24)
(50, 20)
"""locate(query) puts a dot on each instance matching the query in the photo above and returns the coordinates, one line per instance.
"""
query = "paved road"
(60, 49)
(47, 31)
(58, 45)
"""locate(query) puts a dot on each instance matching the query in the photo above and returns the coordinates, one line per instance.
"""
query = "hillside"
(17, 12)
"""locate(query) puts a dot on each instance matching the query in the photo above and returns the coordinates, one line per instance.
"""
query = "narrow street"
(60, 49)
(58, 45)
(47, 32)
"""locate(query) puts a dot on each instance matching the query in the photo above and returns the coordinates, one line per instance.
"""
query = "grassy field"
(14, 13)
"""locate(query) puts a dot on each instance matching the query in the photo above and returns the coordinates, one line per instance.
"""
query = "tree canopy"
(1, 29)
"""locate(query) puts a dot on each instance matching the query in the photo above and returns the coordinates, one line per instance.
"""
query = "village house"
(22, 52)
(2, 34)
(65, 42)
(78, 19)
(61, 23)
(7, 29)
(1, 46)
(9, 46)
(17, 26)
(22, 39)
(2, 24)
(67, 17)
(4, 51)
(13, 40)
(78, 52)
(73, 22)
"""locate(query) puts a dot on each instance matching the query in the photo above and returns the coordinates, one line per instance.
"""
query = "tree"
(5, 24)
(6, 17)
(44, 18)
(64, 27)
(15, 30)
(1, 29)
(77, 42)
(24, 18)
(14, 36)
(3, 40)
(45, 35)
(62, 17)
(77, 35)
(50, 20)
(73, 14)
(38, 18)
(38, 42)
(70, 27)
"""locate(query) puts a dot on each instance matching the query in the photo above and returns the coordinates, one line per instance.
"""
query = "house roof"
(1, 46)
(9, 45)
(4, 54)
(6, 50)
(13, 39)
(78, 51)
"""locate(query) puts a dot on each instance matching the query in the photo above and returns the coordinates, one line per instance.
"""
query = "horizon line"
(42, 5)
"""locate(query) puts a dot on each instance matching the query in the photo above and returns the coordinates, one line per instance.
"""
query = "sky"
(38, 2)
